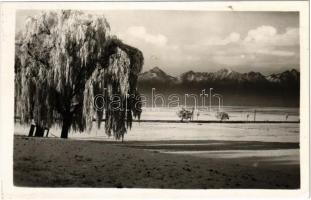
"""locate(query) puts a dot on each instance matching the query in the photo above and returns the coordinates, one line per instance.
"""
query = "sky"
(206, 41)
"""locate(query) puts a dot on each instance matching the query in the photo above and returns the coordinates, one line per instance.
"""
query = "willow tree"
(64, 59)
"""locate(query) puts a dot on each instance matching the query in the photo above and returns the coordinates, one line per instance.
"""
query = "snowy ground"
(267, 132)
(235, 113)
(146, 131)
(192, 131)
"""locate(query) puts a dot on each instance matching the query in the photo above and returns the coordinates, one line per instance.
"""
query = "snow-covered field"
(236, 113)
(186, 131)
(191, 132)
(268, 132)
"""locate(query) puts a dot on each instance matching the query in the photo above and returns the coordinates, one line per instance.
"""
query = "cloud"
(256, 46)
(262, 47)
(140, 33)
(267, 41)
(261, 34)
(217, 41)
(282, 53)
(156, 48)
(268, 35)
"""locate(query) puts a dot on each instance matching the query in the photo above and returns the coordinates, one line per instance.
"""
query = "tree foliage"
(64, 59)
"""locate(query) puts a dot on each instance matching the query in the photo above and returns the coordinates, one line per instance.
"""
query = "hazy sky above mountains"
(179, 41)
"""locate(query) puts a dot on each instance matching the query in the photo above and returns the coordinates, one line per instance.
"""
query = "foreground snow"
(192, 131)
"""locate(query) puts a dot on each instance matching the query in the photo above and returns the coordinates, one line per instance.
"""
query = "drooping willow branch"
(63, 60)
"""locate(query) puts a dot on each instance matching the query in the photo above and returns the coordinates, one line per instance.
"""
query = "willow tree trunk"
(39, 131)
(32, 130)
(67, 120)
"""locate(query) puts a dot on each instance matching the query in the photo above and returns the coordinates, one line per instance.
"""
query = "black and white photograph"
(158, 99)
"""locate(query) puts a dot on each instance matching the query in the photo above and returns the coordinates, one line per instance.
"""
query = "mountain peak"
(294, 72)
(187, 72)
(156, 69)
(227, 74)
(288, 75)
(156, 74)
(225, 70)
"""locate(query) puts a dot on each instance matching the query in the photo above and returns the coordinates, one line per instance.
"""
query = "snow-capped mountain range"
(158, 75)
(251, 88)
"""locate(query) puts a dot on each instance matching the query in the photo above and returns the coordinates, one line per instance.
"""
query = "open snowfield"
(150, 131)
(146, 131)
(236, 113)
(264, 151)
